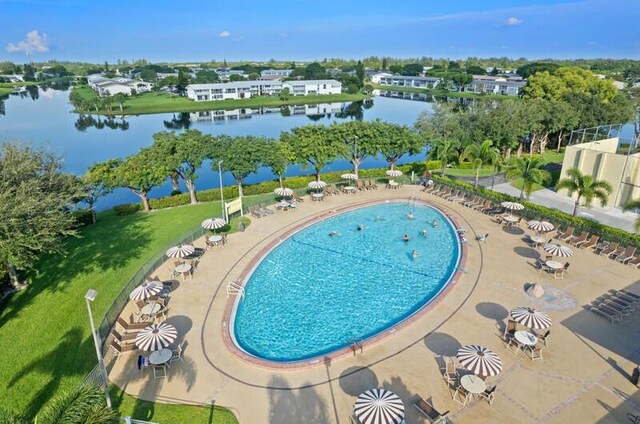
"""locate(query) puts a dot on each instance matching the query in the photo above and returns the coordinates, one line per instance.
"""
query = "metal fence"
(149, 267)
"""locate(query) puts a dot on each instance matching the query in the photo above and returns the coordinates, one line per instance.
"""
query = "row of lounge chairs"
(615, 305)
(628, 255)
(259, 210)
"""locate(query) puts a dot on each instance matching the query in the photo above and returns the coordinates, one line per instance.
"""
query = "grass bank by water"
(148, 103)
(45, 337)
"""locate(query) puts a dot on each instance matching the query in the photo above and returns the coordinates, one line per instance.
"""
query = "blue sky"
(188, 30)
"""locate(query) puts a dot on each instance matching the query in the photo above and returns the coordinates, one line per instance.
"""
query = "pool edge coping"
(232, 302)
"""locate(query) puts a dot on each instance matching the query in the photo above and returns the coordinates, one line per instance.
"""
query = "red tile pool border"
(311, 362)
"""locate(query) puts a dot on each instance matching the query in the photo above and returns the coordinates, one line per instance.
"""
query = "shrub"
(83, 217)
(127, 209)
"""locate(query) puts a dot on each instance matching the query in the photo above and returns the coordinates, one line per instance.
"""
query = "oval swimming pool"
(314, 293)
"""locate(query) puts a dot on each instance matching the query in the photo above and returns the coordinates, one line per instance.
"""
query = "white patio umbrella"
(213, 223)
(349, 176)
(283, 191)
(540, 226)
(531, 318)
(479, 360)
(394, 173)
(379, 406)
(557, 250)
(317, 185)
(156, 337)
(512, 206)
(180, 251)
(146, 290)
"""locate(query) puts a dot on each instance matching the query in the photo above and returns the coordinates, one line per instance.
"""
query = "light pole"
(89, 297)
(224, 215)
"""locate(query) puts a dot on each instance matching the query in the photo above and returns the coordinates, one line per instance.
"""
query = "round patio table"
(511, 218)
(151, 308)
(473, 384)
(537, 239)
(393, 184)
(160, 356)
(317, 196)
(555, 265)
(349, 189)
(525, 338)
(214, 239)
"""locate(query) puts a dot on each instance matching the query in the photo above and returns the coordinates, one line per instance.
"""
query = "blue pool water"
(313, 293)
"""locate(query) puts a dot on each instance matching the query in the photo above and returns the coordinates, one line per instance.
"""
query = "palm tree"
(85, 404)
(585, 186)
(529, 170)
(633, 205)
(480, 154)
(444, 150)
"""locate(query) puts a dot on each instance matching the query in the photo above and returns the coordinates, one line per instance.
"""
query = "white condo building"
(276, 73)
(496, 85)
(248, 89)
(112, 86)
(405, 81)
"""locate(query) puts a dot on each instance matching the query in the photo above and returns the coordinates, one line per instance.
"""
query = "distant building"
(283, 73)
(376, 77)
(248, 89)
(225, 74)
(12, 78)
(111, 86)
(403, 81)
(485, 84)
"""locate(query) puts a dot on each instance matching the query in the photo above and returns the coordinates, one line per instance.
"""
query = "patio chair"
(588, 244)
(619, 300)
(563, 235)
(473, 201)
(630, 294)
(613, 318)
(297, 198)
(616, 252)
(627, 255)
(544, 338)
(609, 249)
(535, 352)
(577, 239)
(373, 185)
(159, 371)
(461, 395)
(542, 266)
(509, 330)
(178, 353)
(635, 261)
(429, 412)
(450, 374)
(483, 205)
(489, 394)
(601, 246)
(488, 208)
(162, 315)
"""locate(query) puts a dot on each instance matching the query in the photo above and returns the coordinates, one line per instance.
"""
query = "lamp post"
(224, 215)
(89, 297)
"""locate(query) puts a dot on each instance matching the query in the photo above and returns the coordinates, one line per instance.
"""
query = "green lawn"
(445, 93)
(555, 176)
(471, 173)
(163, 102)
(551, 156)
(169, 413)
(45, 338)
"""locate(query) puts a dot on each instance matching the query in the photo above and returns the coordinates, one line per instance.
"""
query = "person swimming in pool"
(405, 237)
(410, 215)
(414, 254)
(334, 233)
(424, 233)
(434, 223)
(378, 218)
(361, 227)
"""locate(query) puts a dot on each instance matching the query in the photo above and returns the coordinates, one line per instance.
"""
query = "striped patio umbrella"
(213, 223)
(349, 176)
(540, 226)
(317, 185)
(283, 191)
(557, 250)
(531, 318)
(156, 337)
(479, 360)
(180, 251)
(394, 173)
(379, 406)
(512, 206)
(146, 290)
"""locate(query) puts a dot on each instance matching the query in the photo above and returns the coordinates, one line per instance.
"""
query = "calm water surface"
(44, 117)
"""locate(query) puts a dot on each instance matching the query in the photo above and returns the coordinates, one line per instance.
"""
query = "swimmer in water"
(361, 227)
(435, 223)
(406, 237)
(414, 254)
(424, 233)
(378, 218)
(410, 215)
(334, 233)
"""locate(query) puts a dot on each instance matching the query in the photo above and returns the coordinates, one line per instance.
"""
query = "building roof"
(405, 77)
(249, 84)
(315, 82)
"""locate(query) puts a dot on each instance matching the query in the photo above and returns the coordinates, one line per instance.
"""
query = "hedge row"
(561, 219)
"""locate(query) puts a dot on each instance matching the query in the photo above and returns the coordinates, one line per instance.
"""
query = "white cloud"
(224, 34)
(33, 42)
(238, 38)
(512, 21)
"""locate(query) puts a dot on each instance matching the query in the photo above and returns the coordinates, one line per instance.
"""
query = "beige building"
(601, 160)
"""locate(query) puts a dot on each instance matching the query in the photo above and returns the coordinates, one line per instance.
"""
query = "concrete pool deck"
(583, 377)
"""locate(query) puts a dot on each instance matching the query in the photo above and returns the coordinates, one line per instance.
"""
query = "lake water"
(45, 118)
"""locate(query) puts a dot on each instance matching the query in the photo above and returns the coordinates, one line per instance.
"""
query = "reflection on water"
(85, 122)
(429, 98)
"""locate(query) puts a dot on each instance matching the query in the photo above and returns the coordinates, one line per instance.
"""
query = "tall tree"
(528, 169)
(444, 150)
(35, 197)
(479, 155)
(241, 156)
(120, 98)
(360, 139)
(396, 141)
(183, 154)
(313, 147)
(633, 205)
(94, 189)
(360, 72)
(279, 157)
(585, 186)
